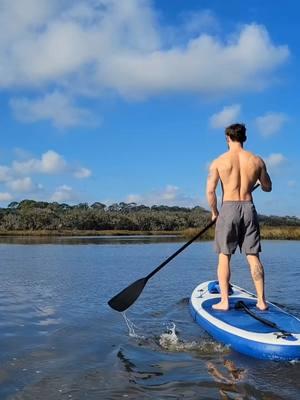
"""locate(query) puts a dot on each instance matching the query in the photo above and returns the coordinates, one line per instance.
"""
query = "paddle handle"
(255, 186)
(180, 249)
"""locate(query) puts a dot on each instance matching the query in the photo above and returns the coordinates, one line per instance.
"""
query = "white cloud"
(4, 196)
(23, 185)
(94, 46)
(50, 163)
(55, 107)
(170, 193)
(275, 160)
(82, 173)
(17, 177)
(205, 65)
(270, 123)
(134, 198)
(226, 116)
(64, 38)
(171, 196)
(5, 173)
(63, 193)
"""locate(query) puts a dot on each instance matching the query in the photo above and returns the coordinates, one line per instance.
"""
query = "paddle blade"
(124, 299)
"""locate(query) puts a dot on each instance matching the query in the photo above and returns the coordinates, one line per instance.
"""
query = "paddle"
(241, 305)
(128, 296)
(124, 299)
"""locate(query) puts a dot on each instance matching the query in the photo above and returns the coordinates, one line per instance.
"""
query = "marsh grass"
(267, 232)
(280, 232)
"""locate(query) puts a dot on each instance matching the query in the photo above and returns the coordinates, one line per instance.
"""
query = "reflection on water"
(60, 340)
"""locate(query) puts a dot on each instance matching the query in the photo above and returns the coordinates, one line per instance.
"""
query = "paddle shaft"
(128, 296)
(186, 245)
(180, 250)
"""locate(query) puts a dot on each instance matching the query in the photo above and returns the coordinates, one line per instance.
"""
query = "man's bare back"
(239, 170)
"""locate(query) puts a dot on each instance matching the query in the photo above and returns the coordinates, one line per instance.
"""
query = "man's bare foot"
(262, 305)
(222, 306)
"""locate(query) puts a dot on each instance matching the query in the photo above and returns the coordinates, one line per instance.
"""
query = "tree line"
(39, 215)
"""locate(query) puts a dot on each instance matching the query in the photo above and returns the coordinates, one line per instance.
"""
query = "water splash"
(131, 327)
(169, 339)
(171, 342)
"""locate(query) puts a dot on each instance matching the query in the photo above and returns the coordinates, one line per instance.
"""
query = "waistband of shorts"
(238, 202)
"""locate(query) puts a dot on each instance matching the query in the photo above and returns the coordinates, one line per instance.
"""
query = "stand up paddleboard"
(273, 334)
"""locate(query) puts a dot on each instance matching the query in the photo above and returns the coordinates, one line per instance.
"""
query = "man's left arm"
(211, 185)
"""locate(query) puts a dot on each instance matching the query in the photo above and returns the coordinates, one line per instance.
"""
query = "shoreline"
(267, 232)
(87, 233)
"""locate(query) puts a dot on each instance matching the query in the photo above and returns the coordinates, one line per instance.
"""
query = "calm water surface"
(60, 340)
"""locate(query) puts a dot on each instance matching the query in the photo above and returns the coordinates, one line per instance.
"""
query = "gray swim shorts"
(237, 225)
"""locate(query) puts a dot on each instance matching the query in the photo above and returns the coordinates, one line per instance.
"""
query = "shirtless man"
(237, 224)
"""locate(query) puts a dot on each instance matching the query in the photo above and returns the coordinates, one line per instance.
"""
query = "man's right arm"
(212, 182)
(264, 178)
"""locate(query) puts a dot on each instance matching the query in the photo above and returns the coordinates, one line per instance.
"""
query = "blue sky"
(107, 100)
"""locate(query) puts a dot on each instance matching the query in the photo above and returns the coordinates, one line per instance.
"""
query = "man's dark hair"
(236, 132)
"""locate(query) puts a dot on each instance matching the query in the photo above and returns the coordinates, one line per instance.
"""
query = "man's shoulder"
(216, 162)
(257, 159)
(254, 157)
(221, 157)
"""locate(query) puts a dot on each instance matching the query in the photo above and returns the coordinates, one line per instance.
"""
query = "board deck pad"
(240, 319)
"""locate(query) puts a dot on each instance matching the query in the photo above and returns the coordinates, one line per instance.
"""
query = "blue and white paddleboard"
(273, 334)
